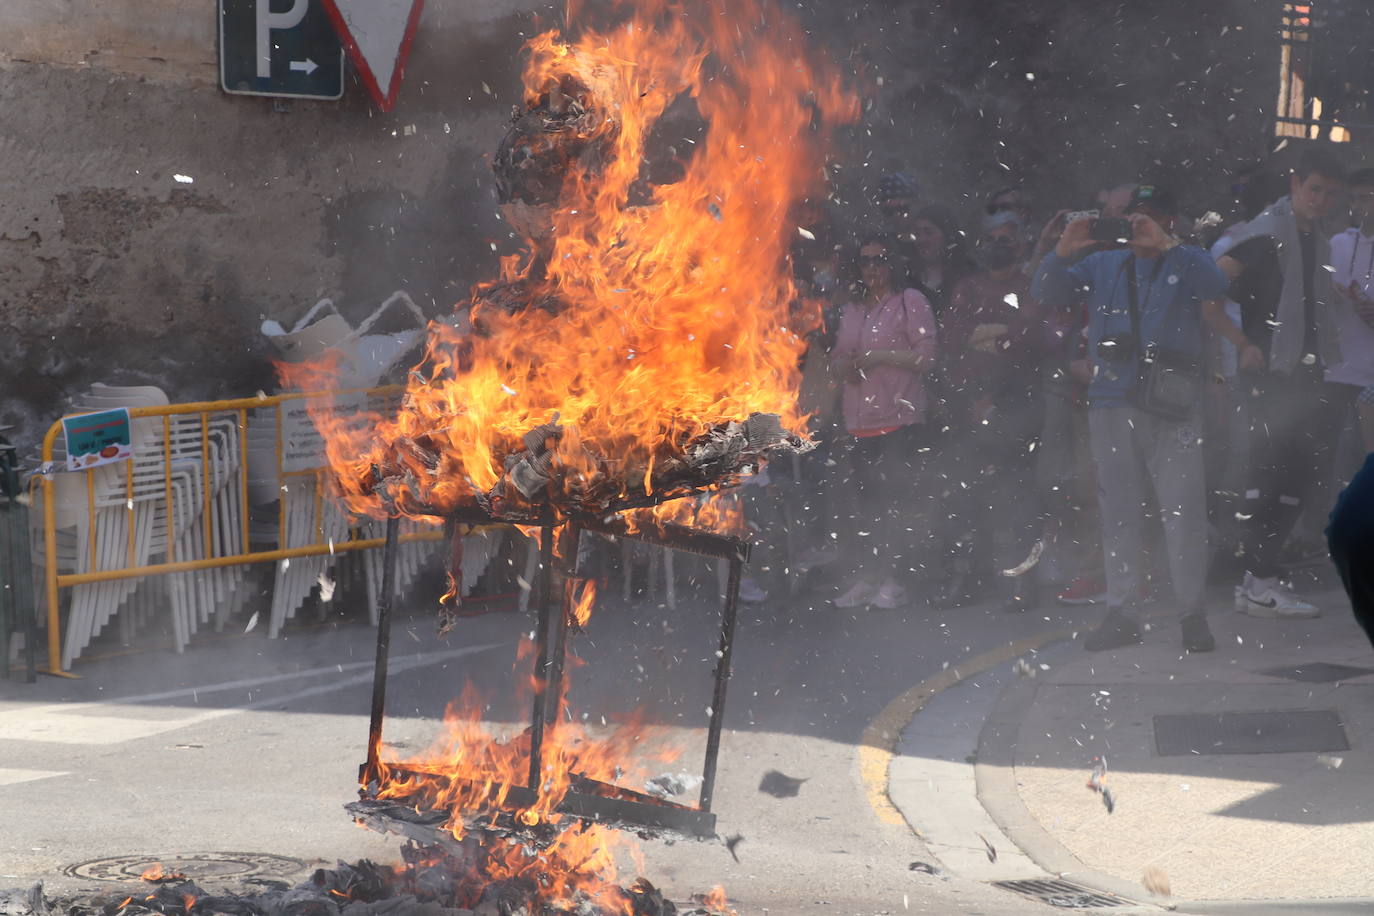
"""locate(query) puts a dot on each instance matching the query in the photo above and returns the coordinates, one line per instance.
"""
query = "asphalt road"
(253, 745)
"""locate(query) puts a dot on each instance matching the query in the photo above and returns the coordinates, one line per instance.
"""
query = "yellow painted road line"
(879, 741)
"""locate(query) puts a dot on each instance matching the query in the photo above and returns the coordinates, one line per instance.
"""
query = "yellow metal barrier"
(239, 408)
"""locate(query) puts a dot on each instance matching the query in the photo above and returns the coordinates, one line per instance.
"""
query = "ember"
(156, 875)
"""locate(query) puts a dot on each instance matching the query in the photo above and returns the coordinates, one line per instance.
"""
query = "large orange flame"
(674, 313)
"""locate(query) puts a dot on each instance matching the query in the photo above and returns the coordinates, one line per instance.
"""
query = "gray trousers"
(1128, 446)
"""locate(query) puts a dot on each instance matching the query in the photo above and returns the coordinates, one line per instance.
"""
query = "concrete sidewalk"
(1265, 794)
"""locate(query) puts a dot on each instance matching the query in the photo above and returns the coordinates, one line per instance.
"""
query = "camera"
(1117, 348)
(1111, 230)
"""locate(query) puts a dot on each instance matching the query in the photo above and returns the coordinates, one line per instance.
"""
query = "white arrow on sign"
(306, 66)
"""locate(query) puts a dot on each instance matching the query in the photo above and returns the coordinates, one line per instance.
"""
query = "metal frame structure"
(588, 799)
(1305, 65)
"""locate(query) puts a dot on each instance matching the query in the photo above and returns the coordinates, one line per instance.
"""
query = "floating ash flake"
(806, 234)
(326, 587)
(252, 622)
(183, 179)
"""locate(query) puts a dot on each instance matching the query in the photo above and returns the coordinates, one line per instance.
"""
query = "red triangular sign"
(377, 34)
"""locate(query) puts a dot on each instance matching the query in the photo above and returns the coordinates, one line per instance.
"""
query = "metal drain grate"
(1276, 732)
(1318, 672)
(198, 866)
(1063, 894)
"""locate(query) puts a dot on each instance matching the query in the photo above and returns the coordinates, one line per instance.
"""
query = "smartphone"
(1111, 230)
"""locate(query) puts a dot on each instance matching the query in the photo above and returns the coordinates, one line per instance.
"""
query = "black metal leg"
(384, 602)
(558, 661)
(727, 642)
(545, 597)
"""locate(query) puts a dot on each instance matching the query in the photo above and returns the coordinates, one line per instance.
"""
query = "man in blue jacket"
(1145, 345)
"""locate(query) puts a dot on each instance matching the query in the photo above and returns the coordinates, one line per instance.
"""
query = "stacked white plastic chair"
(129, 525)
(307, 514)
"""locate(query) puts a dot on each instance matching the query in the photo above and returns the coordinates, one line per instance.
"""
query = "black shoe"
(1115, 630)
(1197, 636)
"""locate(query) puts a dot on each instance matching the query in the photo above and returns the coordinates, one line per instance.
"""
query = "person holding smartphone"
(1145, 305)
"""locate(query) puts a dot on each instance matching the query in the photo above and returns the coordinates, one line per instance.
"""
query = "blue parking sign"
(284, 48)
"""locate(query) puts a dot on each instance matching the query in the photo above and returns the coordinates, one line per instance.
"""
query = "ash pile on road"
(425, 885)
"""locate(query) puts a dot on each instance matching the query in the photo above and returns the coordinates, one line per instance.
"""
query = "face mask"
(1000, 255)
(824, 280)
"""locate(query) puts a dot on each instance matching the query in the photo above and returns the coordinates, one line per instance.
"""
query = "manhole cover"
(198, 866)
(1318, 673)
(1063, 894)
(1250, 733)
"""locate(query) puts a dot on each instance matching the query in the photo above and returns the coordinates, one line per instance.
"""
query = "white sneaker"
(1271, 599)
(856, 595)
(889, 596)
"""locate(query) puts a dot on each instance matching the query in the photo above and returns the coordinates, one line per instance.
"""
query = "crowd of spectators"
(1106, 409)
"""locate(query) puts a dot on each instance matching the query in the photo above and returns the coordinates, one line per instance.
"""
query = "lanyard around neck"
(1132, 281)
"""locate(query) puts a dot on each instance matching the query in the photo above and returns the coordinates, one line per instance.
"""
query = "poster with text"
(99, 438)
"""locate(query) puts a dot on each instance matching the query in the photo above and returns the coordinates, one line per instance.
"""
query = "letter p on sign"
(267, 21)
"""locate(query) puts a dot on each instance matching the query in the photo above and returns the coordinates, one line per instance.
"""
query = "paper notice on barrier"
(99, 438)
(302, 443)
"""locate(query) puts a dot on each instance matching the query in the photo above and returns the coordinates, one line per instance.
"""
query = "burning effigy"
(642, 347)
(645, 342)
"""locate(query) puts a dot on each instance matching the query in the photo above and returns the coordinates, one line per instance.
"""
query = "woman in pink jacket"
(883, 349)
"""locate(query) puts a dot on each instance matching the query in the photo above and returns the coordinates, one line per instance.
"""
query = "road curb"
(877, 745)
(995, 778)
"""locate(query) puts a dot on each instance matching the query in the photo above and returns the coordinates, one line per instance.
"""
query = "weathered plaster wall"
(110, 269)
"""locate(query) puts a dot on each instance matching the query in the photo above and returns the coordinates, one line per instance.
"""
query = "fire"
(642, 315)
(721, 512)
(460, 772)
(583, 598)
(717, 902)
(670, 306)
(156, 874)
